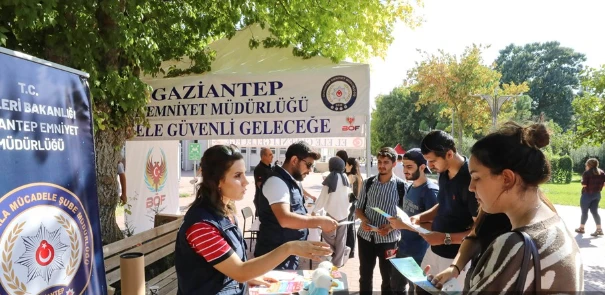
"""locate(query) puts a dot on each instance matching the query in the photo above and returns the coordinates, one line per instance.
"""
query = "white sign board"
(323, 102)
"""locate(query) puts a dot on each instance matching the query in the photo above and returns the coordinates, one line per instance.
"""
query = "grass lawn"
(566, 194)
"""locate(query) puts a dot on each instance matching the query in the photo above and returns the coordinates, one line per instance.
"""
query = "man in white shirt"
(283, 216)
(398, 169)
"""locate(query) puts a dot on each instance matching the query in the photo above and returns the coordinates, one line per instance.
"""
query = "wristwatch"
(447, 240)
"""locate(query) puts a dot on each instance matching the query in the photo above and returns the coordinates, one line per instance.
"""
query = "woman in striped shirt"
(506, 169)
(210, 255)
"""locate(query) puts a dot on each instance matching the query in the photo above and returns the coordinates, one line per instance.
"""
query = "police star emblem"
(339, 94)
(43, 253)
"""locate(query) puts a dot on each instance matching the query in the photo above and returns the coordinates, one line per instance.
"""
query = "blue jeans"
(590, 202)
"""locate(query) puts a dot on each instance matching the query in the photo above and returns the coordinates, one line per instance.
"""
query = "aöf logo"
(350, 127)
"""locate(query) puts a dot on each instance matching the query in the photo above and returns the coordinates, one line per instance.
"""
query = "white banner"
(337, 142)
(334, 126)
(310, 103)
(152, 183)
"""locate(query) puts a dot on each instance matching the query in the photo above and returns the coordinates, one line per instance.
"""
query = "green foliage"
(552, 72)
(561, 168)
(456, 83)
(560, 141)
(464, 147)
(566, 167)
(517, 109)
(116, 41)
(397, 120)
(589, 108)
(585, 152)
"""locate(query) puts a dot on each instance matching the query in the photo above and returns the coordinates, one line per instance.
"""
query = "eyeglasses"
(230, 149)
(309, 165)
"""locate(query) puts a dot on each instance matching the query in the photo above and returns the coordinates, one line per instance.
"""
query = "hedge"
(561, 169)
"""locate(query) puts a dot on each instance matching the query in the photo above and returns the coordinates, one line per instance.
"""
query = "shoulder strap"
(402, 188)
(369, 182)
(529, 247)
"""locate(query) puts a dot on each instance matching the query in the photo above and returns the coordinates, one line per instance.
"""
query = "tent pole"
(368, 145)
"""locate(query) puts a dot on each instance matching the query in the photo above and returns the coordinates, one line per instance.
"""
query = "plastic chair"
(247, 214)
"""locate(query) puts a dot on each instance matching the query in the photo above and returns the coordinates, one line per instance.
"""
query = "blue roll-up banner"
(49, 215)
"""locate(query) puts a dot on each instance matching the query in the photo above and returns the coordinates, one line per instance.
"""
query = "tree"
(516, 109)
(453, 81)
(552, 72)
(589, 108)
(397, 120)
(116, 41)
(561, 142)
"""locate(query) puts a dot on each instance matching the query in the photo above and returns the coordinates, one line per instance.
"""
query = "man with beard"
(457, 209)
(421, 196)
(283, 216)
(376, 237)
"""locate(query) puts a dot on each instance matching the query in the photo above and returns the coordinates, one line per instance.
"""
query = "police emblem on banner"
(339, 93)
(155, 171)
(47, 242)
(156, 174)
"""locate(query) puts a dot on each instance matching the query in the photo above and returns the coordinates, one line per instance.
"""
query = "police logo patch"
(339, 93)
(47, 242)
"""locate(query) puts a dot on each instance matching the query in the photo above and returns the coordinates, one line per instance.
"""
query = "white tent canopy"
(234, 57)
(259, 93)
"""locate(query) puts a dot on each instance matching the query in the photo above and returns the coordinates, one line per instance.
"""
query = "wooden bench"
(156, 244)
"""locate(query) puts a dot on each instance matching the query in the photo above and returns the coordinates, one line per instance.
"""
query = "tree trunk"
(460, 132)
(107, 145)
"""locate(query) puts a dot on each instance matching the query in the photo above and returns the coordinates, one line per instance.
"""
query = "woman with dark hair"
(343, 155)
(592, 184)
(354, 173)
(506, 169)
(210, 255)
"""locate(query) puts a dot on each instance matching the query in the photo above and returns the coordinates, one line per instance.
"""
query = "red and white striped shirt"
(207, 241)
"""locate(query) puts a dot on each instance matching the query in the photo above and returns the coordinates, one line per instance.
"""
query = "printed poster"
(49, 223)
(152, 182)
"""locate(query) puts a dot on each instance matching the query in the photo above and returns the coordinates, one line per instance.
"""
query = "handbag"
(530, 249)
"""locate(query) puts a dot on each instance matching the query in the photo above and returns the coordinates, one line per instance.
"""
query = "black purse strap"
(530, 249)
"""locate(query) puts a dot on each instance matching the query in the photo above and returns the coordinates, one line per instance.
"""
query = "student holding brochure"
(421, 196)
(384, 191)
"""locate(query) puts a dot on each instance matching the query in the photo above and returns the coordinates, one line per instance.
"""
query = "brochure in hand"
(404, 218)
(412, 271)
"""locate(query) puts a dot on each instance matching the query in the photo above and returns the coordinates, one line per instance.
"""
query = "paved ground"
(592, 249)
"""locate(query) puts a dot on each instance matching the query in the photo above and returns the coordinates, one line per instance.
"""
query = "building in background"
(250, 148)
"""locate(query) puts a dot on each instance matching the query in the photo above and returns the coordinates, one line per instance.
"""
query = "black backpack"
(402, 188)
